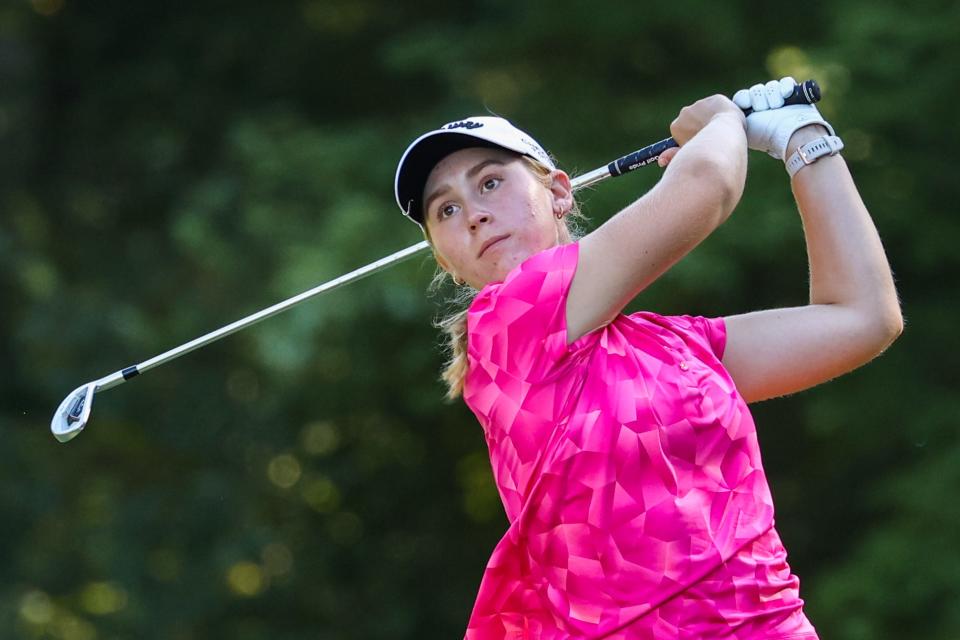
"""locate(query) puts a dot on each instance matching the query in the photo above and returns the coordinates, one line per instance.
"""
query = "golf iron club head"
(71, 416)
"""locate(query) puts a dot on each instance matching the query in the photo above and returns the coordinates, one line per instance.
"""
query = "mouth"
(492, 241)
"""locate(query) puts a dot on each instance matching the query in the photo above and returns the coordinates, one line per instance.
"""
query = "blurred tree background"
(166, 169)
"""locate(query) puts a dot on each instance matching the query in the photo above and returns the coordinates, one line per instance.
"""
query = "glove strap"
(813, 151)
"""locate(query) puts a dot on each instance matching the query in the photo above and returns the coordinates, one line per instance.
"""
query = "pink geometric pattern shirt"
(629, 469)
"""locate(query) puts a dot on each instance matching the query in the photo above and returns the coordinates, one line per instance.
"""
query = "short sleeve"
(712, 330)
(519, 326)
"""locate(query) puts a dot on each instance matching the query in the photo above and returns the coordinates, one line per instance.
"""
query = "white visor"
(426, 151)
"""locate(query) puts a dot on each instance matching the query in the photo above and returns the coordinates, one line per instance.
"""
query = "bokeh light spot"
(39, 278)
(47, 7)
(245, 579)
(103, 598)
(321, 494)
(789, 61)
(36, 607)
(497, 87)
(69, 627)
(319, 438)
(284, 471)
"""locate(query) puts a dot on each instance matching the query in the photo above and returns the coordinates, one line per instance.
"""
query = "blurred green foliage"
(167, 170)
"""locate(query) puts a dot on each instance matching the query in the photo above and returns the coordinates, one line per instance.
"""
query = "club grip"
(806, 92)
(640, 157)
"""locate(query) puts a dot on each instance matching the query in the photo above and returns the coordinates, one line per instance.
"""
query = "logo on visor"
(466, 124)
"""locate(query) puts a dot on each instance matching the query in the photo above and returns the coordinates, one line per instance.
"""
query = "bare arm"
(853, 314)
(699, 189)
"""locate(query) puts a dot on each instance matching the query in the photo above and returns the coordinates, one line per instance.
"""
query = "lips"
(492, 241)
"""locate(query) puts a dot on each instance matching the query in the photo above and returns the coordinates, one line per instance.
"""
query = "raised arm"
(853, 313)
(697, 192)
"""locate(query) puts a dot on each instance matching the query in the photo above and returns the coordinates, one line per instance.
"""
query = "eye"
(446, 210)
(490, 184)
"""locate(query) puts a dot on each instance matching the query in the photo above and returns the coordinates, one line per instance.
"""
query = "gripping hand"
(771, 124)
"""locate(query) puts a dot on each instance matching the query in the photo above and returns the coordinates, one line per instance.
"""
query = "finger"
(675, 130)
(787, 85)
(742, 98)
(758, 98)
(774, 97)
(664, 159)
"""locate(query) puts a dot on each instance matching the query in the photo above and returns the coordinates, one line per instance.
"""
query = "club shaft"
(806, 93)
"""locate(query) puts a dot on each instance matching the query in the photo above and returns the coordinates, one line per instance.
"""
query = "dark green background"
(169, 167)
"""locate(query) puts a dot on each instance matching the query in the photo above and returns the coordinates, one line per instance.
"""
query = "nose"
(477, 217)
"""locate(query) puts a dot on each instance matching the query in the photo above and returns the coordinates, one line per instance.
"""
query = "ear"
(561, 190)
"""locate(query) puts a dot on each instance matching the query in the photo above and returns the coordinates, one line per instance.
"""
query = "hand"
(695, 117)
(771, 124)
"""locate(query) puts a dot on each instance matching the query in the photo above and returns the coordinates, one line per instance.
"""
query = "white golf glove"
(771, 124)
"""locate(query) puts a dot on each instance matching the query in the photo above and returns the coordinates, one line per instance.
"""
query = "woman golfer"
(622, 446)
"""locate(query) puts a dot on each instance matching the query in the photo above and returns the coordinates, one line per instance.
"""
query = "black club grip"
(807, 92)
(640, 157)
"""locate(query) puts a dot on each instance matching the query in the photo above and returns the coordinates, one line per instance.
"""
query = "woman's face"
(486, 212)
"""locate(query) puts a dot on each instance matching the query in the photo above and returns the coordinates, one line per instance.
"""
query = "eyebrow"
(471, 173)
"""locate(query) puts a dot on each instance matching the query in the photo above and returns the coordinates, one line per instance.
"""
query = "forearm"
(697, 192)
(719, 153)
(853, 313)
(628, 252)
(847, 262)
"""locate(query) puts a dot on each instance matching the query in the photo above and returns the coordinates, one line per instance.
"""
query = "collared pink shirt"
(630, 473)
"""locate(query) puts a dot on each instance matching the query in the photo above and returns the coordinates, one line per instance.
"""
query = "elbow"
(889, 316)
(893, 325)
(884, 326)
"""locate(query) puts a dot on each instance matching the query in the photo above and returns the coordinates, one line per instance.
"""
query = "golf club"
(74, 412)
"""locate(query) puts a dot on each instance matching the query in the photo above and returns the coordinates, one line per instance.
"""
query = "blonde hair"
(454, 323)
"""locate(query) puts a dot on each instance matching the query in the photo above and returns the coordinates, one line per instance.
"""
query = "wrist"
(732, 115)
(803, 135)
(812, 151)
